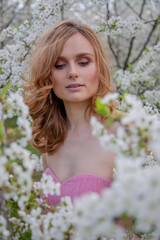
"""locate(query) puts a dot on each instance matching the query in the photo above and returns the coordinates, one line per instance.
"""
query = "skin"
(81, 152)
(75, 65)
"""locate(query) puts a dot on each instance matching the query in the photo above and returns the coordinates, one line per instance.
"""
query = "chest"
(81, 155)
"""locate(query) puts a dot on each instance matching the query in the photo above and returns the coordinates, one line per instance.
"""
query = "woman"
(68, 72)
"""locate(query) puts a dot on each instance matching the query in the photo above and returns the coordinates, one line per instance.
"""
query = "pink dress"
(77, 186)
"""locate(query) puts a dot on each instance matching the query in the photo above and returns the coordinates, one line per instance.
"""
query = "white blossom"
(141, 77)
(47, 185)
(3, 227)
(116, 26)
(37, 161)
(109, 97)
(97, 127)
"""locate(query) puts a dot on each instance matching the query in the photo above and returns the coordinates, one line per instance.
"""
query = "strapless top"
(77, 185)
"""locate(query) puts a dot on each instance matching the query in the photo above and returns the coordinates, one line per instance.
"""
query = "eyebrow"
(77, 55)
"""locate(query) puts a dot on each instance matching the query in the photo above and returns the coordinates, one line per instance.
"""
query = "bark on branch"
(129, 53)
(109, 39)
(146, 42)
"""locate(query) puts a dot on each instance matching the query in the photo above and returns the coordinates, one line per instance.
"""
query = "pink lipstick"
(75, 86)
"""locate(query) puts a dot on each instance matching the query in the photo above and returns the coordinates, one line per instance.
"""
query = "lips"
(75, 85)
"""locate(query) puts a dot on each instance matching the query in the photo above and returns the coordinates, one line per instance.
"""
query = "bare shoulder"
(44, 160)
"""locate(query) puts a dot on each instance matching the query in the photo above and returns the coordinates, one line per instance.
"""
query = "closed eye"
(84, 63)
(59, 66)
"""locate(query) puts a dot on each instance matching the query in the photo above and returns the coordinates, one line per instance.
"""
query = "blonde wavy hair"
(49, 127)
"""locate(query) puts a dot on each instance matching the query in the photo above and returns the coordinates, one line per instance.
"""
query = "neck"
(77, 116)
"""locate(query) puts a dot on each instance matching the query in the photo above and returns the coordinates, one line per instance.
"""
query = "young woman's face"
(75, 74)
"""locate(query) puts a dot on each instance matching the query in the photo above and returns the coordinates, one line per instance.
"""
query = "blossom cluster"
(23, 205)
(3, 227)
(116, 26)
(55, 224)
(47, 185)
(37, 162)
(13, 57)
(136, 129)
(141, 77)
(137, 174)
(153, 97)
(127, 198)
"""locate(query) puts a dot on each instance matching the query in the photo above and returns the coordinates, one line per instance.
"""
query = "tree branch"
(142, 8)
(110, 45)
(109, 39)
(153, 20)
(146, 42)
(14, 15)
(62, 11)
(157, 40)
(129, 53)
(134, 10)
(133, 38)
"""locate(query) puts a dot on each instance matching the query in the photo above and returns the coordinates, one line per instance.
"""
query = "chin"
(77, 100)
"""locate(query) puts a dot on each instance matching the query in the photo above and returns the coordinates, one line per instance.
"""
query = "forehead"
(76, 44)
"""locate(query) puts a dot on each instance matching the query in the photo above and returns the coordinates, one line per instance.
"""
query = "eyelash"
(63, 65)
(59, 66)
(84, 63)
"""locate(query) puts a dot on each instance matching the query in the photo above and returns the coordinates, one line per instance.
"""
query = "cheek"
(93, 76)
(57, 79)
(56, 82)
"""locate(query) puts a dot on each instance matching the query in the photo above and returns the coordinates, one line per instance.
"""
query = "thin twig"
(146, 42)
(142, 8)
(110, 45)
(157, 40)
(133, 10)
(129, 53)
(153, 20)
(62, 11)
(115, 8)
(117, 43)
(14, 15)
(133, 38)
(109, 39)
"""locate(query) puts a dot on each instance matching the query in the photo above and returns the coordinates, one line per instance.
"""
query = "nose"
(73, 72)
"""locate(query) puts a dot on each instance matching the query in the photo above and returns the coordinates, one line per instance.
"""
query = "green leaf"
(1, 151)
(25, 236)
(130, 67)
(1, 71)
(42, 8)
(122, 95)
(141, 97)
(113, 25)
(4, 90)
(146, 49)
(110, 122)
(158, 17)
(101, 108)
(103, 27)
(16, 27)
